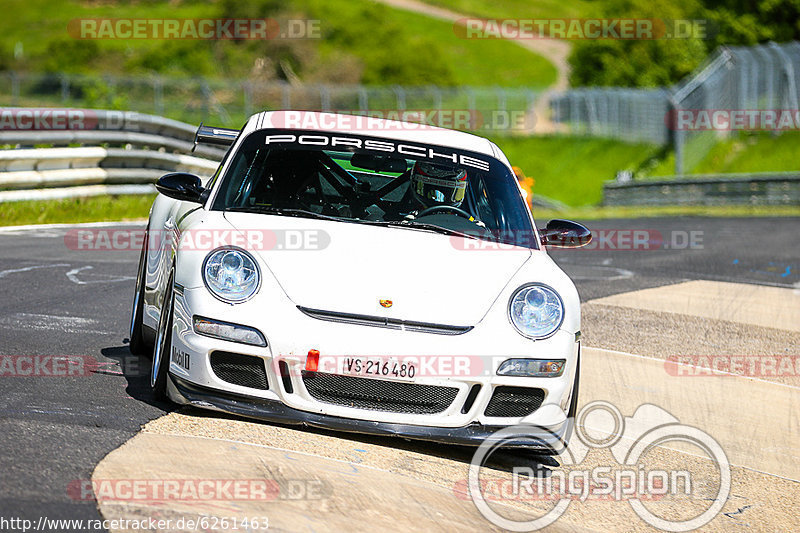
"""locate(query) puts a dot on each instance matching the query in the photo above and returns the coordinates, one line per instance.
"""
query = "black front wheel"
(163, 346)
(137, 345)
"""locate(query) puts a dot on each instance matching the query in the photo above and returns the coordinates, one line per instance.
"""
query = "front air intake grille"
(378, 395)
(383, 322)
(514, 401)
(242, 370)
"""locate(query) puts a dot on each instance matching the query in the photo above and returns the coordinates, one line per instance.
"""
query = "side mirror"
(181, 186)
(565, 234)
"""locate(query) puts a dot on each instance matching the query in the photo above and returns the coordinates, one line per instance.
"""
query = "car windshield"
(370, 180)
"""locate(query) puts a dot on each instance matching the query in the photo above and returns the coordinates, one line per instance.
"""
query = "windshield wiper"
(303, 213)
(433, 228)
(289, 212)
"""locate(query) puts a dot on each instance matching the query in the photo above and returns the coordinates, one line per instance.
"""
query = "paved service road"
(57, 301)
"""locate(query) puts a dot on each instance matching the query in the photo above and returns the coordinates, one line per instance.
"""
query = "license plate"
(376, 367)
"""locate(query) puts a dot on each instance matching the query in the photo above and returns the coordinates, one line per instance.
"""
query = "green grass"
(524, 9)
(572, 169)
(754, 153)
(73, 210)
(597, 213)
(472, 62)
(748, 152)
(361, 42)
(37, 24)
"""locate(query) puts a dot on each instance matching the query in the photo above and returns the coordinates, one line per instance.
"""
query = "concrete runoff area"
(756, 305)
(366, 483)
(755, 422)
(707, 342)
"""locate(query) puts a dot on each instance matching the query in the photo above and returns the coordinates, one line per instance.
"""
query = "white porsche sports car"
(360, 275)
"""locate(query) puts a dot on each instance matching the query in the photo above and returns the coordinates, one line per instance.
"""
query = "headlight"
(228, 332)
(231, 274)
(533, 368)
(536, 311)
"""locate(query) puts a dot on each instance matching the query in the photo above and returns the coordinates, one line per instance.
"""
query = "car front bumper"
(290, 334)
(545, 440)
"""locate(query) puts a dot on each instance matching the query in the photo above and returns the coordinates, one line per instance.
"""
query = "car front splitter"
(186, 393)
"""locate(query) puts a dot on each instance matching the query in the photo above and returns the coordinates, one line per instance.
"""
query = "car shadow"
(502, 460)
(136, 370)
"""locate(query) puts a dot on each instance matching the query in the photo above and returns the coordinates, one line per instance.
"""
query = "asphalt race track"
(58, 301)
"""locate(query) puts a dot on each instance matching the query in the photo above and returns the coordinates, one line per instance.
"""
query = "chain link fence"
(731, 85)
(744, 79)
(629, 114)
(231, 102)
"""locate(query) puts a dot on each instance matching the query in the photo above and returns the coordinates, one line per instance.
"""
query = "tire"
(163, 346)
(137, 345)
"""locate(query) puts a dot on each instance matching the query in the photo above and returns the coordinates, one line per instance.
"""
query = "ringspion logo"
(636, 474)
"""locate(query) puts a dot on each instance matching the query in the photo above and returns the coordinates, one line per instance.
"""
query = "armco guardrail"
(21, 127)
(773, 188)
(136, 149)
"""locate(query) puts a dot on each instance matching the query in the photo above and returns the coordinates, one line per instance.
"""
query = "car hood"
(348, 268)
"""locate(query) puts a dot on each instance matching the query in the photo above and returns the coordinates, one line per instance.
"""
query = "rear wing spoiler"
(216, 136)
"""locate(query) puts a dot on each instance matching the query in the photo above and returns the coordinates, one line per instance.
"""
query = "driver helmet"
(436, 184)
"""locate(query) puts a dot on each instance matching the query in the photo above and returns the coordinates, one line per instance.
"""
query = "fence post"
(470, 99)
(324, 98)
(401, 97)
(437, 98)
(676, 133)
(363, 99)
(591, 112)
(769, 75)
(789, 72)
(501, 99)
(64, 88)
(247, 89)
(206, 91)
(286, 95)
(110, 90)
(14, 87)
(158, 95)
